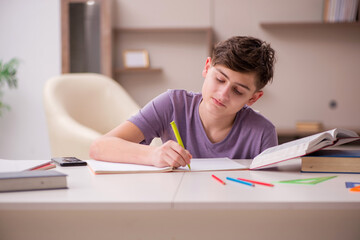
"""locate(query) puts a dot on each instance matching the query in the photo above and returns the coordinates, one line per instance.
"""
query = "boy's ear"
(207, 66)
(255, 97)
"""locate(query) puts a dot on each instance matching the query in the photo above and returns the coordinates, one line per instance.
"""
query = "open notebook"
(197, 165)
(7, 165)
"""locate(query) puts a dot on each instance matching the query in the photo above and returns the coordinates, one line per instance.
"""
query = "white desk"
(184, 206)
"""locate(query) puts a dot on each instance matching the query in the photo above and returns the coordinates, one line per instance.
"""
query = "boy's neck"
(216, 127)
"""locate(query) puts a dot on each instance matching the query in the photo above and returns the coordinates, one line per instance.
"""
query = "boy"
(215, 123)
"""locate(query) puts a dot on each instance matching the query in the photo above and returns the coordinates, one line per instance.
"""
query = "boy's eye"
(236, 91)
(219, 80)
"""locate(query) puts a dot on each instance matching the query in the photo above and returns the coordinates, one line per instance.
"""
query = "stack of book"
(334, 161)
(341, 10)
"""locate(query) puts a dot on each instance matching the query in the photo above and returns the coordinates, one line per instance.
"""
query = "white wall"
(30, 31)
(161, 13)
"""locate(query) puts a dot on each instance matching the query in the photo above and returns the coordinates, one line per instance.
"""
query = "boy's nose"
(225, 93)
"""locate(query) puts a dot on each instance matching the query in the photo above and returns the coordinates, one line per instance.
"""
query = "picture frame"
(136, 59)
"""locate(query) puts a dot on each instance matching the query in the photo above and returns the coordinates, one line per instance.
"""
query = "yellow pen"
(177, 135)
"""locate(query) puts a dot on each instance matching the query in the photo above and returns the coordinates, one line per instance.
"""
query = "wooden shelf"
(138, 70)
(310, 24)
(206, 30)
(286, 135)
(164, 29)
(293, 133)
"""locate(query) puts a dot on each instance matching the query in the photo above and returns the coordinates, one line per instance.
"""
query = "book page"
(111, 167)
(344, 136)
(343, 141)
(212, 164)
(292, 149)
(344, 133)
(302, 143)
(277, 155)
(197, 164)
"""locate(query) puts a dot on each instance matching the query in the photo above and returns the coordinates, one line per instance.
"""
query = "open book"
(303, 146)
(197, 165)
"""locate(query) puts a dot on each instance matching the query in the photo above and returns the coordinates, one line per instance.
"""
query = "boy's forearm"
(114, 149)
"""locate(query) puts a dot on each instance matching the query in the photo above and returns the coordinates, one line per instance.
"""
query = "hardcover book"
(32, 180)
(340, 161)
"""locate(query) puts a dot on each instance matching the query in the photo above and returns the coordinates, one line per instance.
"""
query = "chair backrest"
(82, 106)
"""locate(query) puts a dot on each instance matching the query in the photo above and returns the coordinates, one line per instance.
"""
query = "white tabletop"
(108, 191)
(200, 191)
(190, 190)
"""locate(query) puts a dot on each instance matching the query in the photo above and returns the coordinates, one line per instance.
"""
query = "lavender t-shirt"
(250, 135)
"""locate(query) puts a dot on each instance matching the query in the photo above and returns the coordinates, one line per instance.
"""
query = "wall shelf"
(310, 24)
(138, 70)
(165, 29)
(206, 30)
(286, 135)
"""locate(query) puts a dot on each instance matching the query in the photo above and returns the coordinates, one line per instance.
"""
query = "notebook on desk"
(7, 165)
(197, 165)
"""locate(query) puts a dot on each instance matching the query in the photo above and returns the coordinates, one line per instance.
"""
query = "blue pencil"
(239, 181)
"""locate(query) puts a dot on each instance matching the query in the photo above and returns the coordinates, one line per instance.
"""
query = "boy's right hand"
(170, 154)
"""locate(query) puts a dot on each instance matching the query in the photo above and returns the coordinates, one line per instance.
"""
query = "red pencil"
(256, 182)
(44, 167)
(218, 179)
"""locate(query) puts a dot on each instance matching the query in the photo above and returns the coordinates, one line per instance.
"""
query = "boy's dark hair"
(246, 55)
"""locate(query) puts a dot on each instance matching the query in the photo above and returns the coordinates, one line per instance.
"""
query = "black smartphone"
(69, 161)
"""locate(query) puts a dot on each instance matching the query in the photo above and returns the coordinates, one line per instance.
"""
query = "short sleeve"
(269, 138)
(152, 118)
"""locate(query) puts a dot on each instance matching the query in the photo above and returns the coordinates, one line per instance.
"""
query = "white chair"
(81, 107)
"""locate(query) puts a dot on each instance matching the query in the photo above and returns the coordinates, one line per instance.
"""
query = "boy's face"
(225, 91)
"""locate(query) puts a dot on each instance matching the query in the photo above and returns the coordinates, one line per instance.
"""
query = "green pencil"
(177, 135)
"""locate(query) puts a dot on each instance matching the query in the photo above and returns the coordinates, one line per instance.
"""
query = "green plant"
(7, 75)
